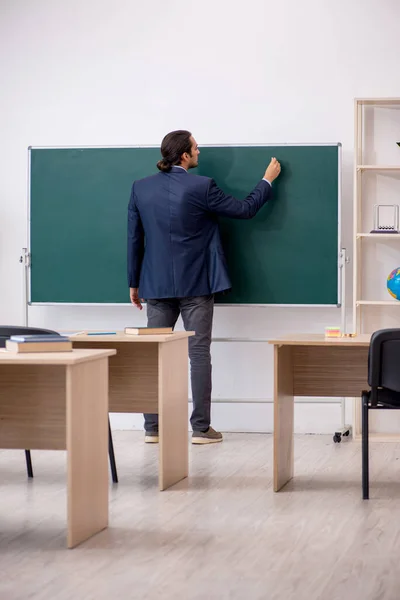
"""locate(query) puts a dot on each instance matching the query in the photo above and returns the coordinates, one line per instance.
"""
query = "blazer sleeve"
(135, 242)
(228, 206)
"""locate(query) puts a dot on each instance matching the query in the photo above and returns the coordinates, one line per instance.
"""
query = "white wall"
(126, 72)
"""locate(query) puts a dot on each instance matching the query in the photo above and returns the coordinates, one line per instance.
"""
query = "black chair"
(384, 381)
(5, 333)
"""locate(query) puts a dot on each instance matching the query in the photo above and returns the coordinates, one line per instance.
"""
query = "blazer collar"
(178, 170)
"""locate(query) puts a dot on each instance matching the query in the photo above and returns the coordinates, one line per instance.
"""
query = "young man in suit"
(176, 261)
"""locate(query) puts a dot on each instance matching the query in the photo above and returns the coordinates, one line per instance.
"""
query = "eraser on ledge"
(332, 332)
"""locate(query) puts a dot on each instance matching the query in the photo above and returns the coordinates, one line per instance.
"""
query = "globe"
(393, 283)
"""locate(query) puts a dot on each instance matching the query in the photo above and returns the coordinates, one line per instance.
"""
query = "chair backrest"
(6, 331)
(384, 360)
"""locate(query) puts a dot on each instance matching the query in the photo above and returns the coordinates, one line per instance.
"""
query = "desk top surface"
(120, 336)
(319, 339)
(53, 358)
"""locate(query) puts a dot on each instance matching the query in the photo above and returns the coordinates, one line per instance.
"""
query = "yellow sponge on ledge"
(333, 332)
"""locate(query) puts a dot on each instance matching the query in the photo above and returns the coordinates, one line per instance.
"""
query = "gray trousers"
(197, 315)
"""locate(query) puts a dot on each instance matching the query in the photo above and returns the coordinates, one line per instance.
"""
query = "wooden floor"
(223, 534)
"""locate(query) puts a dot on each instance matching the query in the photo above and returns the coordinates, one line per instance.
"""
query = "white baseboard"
(321, 417)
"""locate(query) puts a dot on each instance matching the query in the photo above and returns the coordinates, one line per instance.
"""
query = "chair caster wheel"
(337, 438)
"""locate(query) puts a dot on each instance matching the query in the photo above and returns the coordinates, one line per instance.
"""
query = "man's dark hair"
(173, 146)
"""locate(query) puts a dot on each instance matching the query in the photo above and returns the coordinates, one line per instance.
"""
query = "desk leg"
(87, 449)
(173, 412)
(283, 416)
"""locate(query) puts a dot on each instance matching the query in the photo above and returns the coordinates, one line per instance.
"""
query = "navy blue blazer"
(174, 245)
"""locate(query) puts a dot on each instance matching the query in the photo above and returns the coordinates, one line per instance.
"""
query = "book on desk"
(38, 343)
(147, 330)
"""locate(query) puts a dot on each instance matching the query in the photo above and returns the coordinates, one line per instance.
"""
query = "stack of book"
(38, 343)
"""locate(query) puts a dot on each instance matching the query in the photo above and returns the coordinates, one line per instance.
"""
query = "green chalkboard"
(287, 254)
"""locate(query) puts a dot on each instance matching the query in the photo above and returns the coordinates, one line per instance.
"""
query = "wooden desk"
(59, 401)
(149, 374)
(311, 365)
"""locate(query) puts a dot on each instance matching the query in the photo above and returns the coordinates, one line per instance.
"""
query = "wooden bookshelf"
(373, 157)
